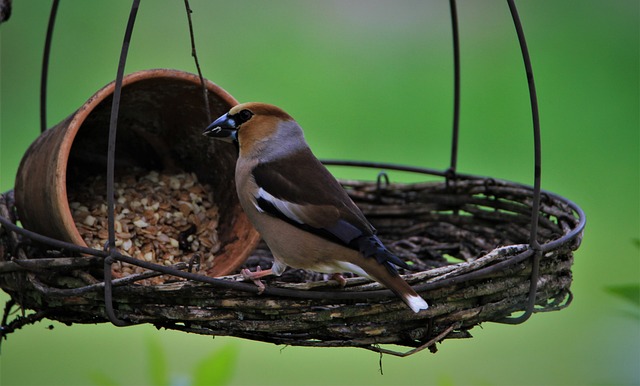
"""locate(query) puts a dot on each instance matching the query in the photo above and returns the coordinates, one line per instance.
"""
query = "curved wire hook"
(45, 65)
(535, 207)
(451, 172)
(382, 176)
(113, 126)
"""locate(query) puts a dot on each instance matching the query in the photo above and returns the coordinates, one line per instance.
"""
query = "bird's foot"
(255, 277)
(340, 279)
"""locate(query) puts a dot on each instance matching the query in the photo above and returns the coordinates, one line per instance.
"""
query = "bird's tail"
(380, 264)
(371, 247)
(401, 288)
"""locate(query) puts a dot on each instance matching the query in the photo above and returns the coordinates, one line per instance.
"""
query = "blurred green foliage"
(216, 369)
(371, 80)
(627, 292)
(630, 293)
(158, 364)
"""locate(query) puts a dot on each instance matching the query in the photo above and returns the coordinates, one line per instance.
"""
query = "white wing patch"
(285, 207)
(254, 201)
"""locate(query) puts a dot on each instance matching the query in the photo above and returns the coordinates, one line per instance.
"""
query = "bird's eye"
(244, 115)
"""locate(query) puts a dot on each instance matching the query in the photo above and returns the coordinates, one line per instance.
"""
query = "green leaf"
(216, 369)
(158, 374)
(628, 292)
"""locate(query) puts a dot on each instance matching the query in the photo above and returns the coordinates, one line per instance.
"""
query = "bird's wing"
(302, 192)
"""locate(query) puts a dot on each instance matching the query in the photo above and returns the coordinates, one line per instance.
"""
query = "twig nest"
(468, 240)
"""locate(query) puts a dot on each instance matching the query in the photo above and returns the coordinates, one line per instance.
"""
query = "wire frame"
(111, 254)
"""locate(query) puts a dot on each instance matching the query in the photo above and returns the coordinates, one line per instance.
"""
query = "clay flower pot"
(160, 122)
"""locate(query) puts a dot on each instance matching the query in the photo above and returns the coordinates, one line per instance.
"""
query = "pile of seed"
(160, 218)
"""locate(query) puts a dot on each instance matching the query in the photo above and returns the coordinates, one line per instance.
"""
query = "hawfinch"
(303, 214)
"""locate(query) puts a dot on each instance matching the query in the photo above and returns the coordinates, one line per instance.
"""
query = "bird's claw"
(248, 275)
(340, 279)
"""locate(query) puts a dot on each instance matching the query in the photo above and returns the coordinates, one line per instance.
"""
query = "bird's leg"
(255, 277)
(257, 274)
(340, 279)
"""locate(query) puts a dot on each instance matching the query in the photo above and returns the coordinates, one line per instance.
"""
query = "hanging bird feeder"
(483, 249)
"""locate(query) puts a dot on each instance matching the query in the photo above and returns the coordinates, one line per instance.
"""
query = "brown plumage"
(301, 211)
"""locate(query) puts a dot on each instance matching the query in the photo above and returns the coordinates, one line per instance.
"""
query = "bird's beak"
(223, 128)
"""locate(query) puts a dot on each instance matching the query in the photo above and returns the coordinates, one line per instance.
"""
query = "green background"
(371, 80)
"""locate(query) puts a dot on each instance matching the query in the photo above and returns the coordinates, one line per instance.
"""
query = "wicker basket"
(468, 240)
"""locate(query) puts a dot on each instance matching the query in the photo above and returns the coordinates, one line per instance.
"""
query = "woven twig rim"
(483, 223)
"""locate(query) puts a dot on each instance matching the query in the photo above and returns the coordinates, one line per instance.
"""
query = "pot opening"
(174, 188)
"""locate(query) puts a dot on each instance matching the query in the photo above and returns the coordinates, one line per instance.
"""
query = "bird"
(304, 215)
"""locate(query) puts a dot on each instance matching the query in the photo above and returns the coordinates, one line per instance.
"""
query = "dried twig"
(205, 94)
(430, 343)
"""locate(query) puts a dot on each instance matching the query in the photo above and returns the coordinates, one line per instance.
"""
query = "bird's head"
(254, 123)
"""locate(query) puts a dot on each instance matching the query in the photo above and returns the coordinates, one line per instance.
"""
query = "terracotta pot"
(160, 122)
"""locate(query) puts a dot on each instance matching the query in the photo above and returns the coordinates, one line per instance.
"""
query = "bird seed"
(160, 218)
